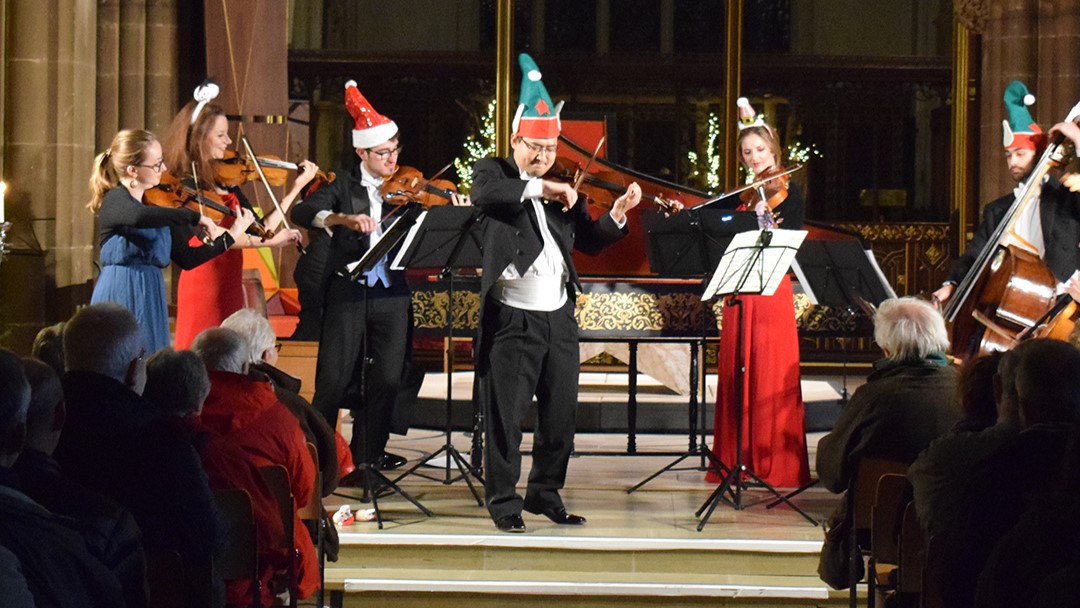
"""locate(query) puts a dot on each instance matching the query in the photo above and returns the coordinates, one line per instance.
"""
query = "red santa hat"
(371, 128)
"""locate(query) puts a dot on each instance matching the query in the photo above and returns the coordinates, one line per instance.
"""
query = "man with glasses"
(377, 308)
(528, 334)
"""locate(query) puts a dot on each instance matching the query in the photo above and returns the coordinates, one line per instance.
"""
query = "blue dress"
(136, 245)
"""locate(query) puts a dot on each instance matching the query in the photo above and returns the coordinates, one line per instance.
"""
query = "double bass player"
(1049, 226)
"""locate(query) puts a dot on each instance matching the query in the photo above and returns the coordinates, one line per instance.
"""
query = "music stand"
(445, 237)
(755, 262)
(381, 246)
(841, 274)
(691, 244)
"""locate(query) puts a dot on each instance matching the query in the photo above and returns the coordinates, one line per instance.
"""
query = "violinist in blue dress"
(136, 239)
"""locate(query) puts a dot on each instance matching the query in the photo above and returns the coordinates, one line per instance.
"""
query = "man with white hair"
(907, 401)
(244, 412)
(118, 444)
(262, 356)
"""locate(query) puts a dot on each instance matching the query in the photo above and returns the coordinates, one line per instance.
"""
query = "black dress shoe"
(510, 523)
(558, 515)
(355, 479)
(389, 461)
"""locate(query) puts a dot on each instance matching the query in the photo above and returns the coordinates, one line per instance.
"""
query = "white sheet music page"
(351, 266)
(751, 265)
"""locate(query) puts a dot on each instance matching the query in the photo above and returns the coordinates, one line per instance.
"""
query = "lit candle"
(3, 188)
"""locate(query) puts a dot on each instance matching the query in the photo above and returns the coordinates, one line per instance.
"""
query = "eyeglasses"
(386, 153)
(158, 167)
(535, 149)
(277, 346)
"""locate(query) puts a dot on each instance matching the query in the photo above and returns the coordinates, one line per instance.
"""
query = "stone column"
(48, 143)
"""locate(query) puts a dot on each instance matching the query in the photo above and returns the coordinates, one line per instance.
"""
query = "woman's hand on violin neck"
(460, 200)
(359, 222)
(308, 171)
(626, 202)
(243, 221)
(281, 239)
(560, 193)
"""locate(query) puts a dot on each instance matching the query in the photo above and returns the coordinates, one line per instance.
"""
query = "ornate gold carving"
(429, 309)
(900, 232)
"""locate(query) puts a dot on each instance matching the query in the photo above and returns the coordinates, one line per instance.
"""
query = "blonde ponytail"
(127, 149)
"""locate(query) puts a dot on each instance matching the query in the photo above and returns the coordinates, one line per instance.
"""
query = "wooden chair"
(314, 515)
(166, 579)
(861, 495)
(912, 560)
(277, 480)
(886, 518)
(933, 583)
(241, 558)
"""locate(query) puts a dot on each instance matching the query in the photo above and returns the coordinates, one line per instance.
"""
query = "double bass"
(1009, 288)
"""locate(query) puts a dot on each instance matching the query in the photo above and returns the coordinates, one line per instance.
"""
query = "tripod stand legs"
(733, 484)
(375, 482)
(465, 471)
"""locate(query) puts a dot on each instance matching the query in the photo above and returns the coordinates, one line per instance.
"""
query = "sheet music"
(758, 269)
(399, 258)
(352, 266)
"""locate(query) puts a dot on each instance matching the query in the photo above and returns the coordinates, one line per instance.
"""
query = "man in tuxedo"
(528, 334)
(377, 307)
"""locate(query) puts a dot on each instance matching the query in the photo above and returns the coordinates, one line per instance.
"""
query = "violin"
(407, 184)
(171, 192)
(273, 164)
(233, 170)
(601, 188)
(774, 182)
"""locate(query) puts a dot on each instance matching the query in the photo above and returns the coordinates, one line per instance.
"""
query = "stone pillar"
(48, 143)
(1033, 41)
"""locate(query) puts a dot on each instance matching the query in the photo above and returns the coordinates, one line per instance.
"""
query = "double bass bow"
(1009, 288)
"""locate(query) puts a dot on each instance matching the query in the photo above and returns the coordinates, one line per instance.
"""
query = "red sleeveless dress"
(211, 291)
(774, 429)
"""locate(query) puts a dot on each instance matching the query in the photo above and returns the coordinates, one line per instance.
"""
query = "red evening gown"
(774, 436)
(210, 292)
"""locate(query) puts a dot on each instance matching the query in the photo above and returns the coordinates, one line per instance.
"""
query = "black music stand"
(374, 480)
(446, 237)
(691, 244)
(754, 263)
(841, 274)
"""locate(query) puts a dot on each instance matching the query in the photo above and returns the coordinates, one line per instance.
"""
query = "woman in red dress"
(774, 436)
(211, 292)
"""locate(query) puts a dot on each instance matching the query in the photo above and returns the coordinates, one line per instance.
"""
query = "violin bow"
(198, 197)
(269, 190)
(585, 170)
(756, 184)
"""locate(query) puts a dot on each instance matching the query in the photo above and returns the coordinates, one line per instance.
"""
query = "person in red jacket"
(245, 413)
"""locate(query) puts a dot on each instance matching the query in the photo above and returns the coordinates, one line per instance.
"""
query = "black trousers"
(354, 312)
(526, 353)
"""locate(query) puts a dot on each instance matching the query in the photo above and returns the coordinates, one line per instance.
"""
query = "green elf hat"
(1020, 130)
(536, 115)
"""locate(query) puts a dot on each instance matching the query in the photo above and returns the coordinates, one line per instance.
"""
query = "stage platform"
(640, 549)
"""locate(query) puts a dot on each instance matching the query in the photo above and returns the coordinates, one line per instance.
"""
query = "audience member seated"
(55, 563)
(262, 354)
(108, 529)
(13, 586)
(1046, 538)
(939, 475)
(908, 400)
(244, 412)
(49, 347)
(177, 383)
(1026, 468)
(117, 443)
